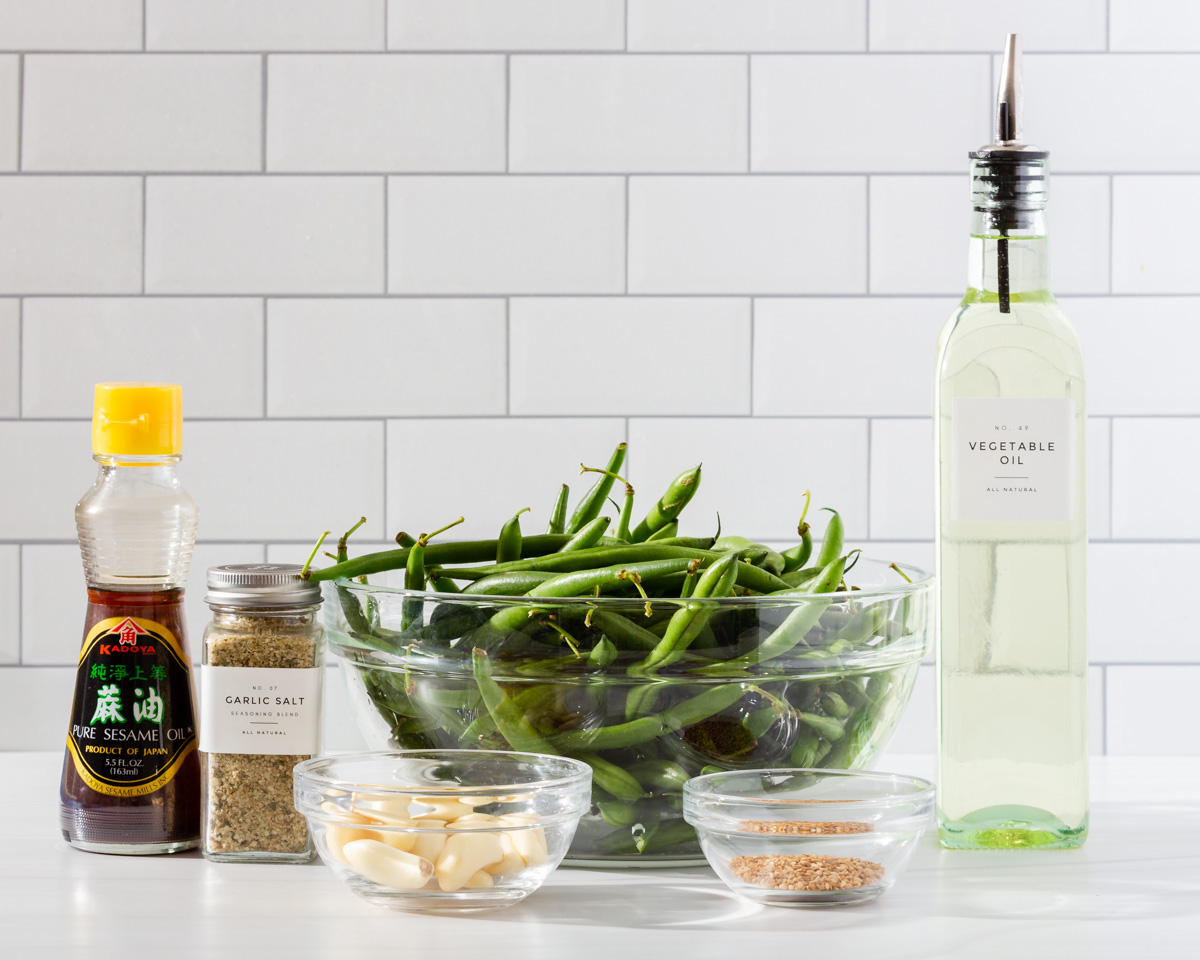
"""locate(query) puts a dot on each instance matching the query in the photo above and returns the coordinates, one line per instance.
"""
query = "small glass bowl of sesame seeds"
(800, 837)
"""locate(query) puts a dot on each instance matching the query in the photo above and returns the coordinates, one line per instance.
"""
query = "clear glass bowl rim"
(923, 581)
(706, 788)
(304, 772)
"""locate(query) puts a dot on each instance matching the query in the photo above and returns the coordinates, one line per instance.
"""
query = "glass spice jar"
(260, 710)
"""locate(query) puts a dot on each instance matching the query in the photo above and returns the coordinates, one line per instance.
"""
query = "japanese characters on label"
(132, 723)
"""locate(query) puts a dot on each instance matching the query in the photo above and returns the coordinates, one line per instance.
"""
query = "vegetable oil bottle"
(131, 776)
(1011, 527)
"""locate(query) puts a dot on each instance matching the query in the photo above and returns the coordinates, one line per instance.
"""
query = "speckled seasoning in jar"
(260, 710)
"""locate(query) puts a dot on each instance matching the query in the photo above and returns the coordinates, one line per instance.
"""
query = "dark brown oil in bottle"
(131, 776)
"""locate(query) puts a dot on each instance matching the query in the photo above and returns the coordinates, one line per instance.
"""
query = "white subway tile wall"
(409, 257)
(10, 110)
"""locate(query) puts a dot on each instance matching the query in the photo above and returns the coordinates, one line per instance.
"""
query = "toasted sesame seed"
(813, 827)
(805, 872)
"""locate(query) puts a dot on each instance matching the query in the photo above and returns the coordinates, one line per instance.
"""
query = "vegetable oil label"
(132, 723)
(260, 710)
(1013, 460)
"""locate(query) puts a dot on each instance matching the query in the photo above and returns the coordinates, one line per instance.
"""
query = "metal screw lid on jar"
(260, 585)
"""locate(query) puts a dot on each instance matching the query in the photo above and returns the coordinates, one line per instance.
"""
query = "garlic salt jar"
(260, 710)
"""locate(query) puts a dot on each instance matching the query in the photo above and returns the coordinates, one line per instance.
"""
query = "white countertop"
(1133, 891)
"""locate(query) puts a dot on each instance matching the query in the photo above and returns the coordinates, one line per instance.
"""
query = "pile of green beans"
(652, 657)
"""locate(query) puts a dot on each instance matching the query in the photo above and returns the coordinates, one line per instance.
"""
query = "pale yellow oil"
(1012, 662)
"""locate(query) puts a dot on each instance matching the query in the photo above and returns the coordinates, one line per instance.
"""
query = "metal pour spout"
(1009, 95)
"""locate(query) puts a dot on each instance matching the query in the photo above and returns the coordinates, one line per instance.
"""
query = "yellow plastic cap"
(138, 419)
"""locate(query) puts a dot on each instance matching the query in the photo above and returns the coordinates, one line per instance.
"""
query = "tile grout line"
(626, 292)
(1107, 26)
(1112, 216)
(145, 191)
(870, 423)
(867, 26)
(20, 605)
(262, 145)
(20, 110)
(947, 295)
(625, 26)
(749, 114)
(1111, 505)
(752, 325)
(264, 358)
(1104, 709)
(20, 358)
(386, 4)
(386, 492)
(144, 5)
(867, 291)
(482, 174)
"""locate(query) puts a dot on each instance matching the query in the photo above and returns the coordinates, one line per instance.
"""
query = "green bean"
(510, 720)
(833, 540)
(827, 727)
(589, 507)
(461, 551)
(834, 706)
(603, 653)
(865, 624)
(659, 774)
(669, 505)
(797, 556)
(342, 555)
(404, 539)
(580, 583)
(629, 734)
(558, 519)
(414, 579)
(612, 779)
(666, 834)
(749, 576)
(664, 533)
(618, 814)
(508, 544)
(622, 632)
(761, 720)
(514, 584)
(443, 584)
(530, 702)
(717, 581)
(797, 623)
(587, 536)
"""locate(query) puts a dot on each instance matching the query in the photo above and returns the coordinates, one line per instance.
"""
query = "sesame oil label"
(132, 723)
(1013, 459)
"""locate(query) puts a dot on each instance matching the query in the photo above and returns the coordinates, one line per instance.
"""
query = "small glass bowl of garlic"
(442, 830)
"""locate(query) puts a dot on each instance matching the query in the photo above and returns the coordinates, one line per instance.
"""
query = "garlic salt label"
(260, 710)
(1013, 459)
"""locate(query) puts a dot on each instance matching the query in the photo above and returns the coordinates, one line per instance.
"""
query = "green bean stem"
(589, 507)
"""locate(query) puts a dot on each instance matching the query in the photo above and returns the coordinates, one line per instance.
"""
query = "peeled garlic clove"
(521, 819)
(337, 835)
(400, 839)
(429, 845)
(464, 854)
(343, 814)
(479, 879)
(530, 843)
(512, 862)
(440, 808)
(388, 866)
(385, 811)
(473, 821)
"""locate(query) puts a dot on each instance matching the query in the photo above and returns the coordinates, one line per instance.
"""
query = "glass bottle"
(131, 777)
(1011, 523)
(260, 710)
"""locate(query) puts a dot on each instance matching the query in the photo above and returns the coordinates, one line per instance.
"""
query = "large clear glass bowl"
(758, 687)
